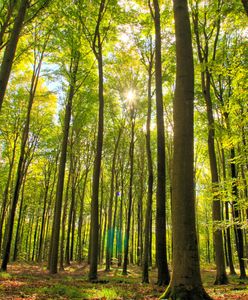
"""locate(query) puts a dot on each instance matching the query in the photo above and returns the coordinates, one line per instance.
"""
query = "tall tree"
(96, 45)
(130, 188)
(38, 58)
(161, 251)
(145, 275)
(186, 279)
(110, 232)
(203, 55)
(10, 49)
(54, 247)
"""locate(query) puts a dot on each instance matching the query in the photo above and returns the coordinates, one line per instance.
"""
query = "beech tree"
(186, 279)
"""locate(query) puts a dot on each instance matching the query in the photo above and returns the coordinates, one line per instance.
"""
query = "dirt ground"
(26, 281)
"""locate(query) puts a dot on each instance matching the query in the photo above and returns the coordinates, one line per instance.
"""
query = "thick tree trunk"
(161, 251)
(10, 49)
(186, 279)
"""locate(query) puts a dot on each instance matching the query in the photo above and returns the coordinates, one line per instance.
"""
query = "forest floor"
(25, 281)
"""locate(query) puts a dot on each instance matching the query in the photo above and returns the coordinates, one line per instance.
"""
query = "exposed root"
(184, 293)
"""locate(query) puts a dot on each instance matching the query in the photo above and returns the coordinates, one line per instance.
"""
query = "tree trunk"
(80, 222)
(70, 216)
(150, 178)
(6, 190)
(110, 233)
(17, 236)
(245, 4)
(236, 213)
(53, 259)
(10, 49)
(161, 251)
(130, 196)
(186, 279)
(62, 239)
(94, 232)
(47, 181)
(221, 277)
(21, 167)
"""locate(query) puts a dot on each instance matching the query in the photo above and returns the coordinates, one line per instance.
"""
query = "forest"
(123, 149)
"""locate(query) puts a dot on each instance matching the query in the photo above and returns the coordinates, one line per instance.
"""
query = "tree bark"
(186, 279)
(147, 233)
(21, 167)
(110, 232)
(245, 4)
(236, 213)
(53, 259)
(221, 277)
(94, 232)
(6, 190)
(161, 251)
(10, 49)
(130, 196)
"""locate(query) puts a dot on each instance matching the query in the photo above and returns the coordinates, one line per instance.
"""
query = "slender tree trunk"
(161, 251)
(228, 232)
(186, 279)
(21, 167)
(62, 240)
(80, 222)
(6, 190)
(70, 216)
(109, 246)
(10, 49)
(140, 211)
(6, 22)
(221, 277)
(150, 179)
(53, 259)
(94, 232)
(120, 225)
(237, 217)
(35, 238)
(130, 196)
(17, 236)
(39, 258)
(115, 216)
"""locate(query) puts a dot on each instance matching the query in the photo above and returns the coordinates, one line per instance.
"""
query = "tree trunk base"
(185, 293)
(221, 280)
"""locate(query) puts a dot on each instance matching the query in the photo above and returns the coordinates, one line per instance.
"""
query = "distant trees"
(84, 144)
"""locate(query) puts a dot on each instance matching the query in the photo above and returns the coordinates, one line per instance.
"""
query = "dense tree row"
(100, 103)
